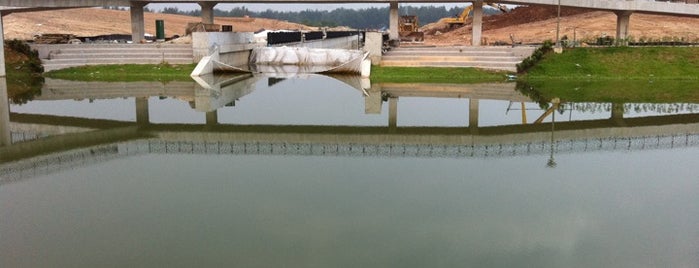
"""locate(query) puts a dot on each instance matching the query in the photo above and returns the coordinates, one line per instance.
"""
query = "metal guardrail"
(276, 38)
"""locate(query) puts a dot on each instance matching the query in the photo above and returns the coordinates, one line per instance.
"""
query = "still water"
(323, 172)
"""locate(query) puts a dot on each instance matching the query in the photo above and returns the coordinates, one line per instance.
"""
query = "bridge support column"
(142, 115)
(138, 26)
(623, 19)
(393, 21)
(5, 134)
(477, 26)
(207, 12)
(373, 101)
(392, 112)
(212, 118)
(473, 115)
(618, 114)
(2, 55)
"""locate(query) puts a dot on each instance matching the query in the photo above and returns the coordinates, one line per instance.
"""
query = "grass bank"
(164, 72)
(434, 75)
(617, 74)
(125, 73)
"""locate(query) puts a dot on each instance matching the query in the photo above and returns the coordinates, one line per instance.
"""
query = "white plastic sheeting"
(327, 59)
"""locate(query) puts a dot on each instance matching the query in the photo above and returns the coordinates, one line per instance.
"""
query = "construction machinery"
(460, 19)
(408, 29)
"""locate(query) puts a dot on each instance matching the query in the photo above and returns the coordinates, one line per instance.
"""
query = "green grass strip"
(625, 63)
(125, 73)
(435, 75)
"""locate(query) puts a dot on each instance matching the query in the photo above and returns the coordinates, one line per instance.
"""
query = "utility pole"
(558, 48)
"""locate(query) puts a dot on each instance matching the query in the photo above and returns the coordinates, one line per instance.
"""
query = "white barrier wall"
(234, 47)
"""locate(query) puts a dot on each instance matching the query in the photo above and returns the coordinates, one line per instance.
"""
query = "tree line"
(365, 18)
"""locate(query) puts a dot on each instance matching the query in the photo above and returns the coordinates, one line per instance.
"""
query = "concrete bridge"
(622, 8)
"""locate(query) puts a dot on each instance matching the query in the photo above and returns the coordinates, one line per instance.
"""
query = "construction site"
(525, 24)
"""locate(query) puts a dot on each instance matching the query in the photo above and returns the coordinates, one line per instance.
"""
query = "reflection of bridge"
(81, 149)
(80, 141)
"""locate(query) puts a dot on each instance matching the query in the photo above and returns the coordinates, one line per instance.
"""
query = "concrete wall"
(349, 42)
(234, 48)
(374, 45)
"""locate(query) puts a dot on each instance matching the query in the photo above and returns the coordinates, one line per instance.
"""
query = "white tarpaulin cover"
(332, 60)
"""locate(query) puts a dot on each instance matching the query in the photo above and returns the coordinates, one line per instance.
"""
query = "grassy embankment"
(617, 74)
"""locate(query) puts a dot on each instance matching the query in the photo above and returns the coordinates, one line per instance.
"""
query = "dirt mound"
(522, 15)
(98, 21)
(536, 24)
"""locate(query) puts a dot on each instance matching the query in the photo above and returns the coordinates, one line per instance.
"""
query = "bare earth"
(527, 24)
(97, 21)
(537, 24)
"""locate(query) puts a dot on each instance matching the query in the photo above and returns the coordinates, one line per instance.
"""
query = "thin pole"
(558, 25)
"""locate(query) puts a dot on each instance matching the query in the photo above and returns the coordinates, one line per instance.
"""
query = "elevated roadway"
(623, 9)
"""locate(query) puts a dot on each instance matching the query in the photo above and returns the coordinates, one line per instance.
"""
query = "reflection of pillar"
(392, 112)
(473, 113)
(618, 113)
(207, 12)
(142, 117)
(5, 134)
(477, 29)
(2, 55)
(393, 21)
(623, 18)
(138, 27)
(212, 117)
(373, 101)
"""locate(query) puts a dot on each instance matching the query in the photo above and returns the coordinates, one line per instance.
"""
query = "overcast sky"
(291, 7)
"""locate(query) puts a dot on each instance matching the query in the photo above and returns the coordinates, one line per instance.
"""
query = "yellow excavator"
(459, 20)
(408, 29)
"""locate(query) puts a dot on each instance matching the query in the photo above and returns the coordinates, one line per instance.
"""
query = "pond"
(317, 171)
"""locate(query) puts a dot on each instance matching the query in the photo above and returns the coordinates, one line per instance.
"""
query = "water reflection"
(5, 135)
(381, 192)
(211, 94)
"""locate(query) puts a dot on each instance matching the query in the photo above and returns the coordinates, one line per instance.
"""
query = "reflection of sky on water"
(271, 211)
(598, 208)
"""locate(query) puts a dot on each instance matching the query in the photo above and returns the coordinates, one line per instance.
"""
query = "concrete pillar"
(5, 134)
(207, 12)
(2, 48)
(393, 21)
(142, 115)
(138, 25)
(374, 45)
(623, 18)
(473, 115)
(212, 118)
(477, 29)
(392, 112)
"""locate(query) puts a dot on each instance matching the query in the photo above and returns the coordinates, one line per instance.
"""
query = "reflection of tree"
(24, 95)
(661, 108)
(528, 90)
(24, 79)
(596, 107)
